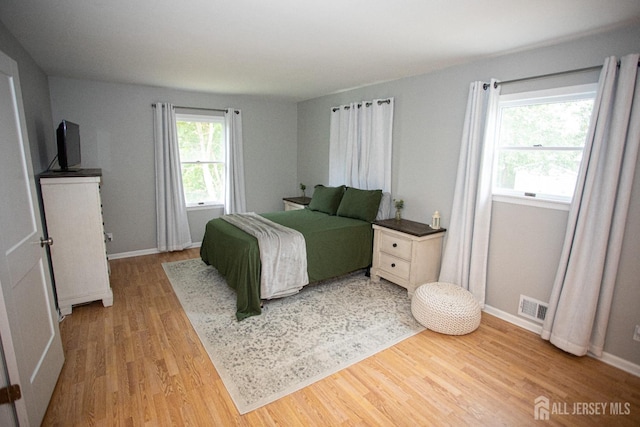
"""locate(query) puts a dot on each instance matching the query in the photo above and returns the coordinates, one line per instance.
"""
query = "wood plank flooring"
(139, 363)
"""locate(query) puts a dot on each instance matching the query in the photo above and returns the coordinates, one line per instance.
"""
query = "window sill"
(532, 201)
(204, 207)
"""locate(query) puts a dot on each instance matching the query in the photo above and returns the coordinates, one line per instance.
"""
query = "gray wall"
(428, 118)
(35, 97)
(116, 129)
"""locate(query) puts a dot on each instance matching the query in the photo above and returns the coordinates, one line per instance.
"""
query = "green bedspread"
(335, 246)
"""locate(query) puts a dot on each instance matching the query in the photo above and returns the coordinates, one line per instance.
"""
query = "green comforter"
(335, 246)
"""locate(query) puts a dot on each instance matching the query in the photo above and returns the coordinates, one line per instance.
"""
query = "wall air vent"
(532, 309)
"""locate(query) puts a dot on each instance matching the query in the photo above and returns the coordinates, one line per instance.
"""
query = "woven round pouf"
(446, 308)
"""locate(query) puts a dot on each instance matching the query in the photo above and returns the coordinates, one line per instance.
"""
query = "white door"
(28, 319)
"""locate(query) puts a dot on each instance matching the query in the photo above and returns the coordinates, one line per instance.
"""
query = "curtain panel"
(172, 226)
(360, 145)
(581, 297)
(466, 252)
(235, 198)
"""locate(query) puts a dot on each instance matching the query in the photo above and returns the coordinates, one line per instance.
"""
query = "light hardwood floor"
(139, 363)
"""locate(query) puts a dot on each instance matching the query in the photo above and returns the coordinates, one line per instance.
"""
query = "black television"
(68, 135)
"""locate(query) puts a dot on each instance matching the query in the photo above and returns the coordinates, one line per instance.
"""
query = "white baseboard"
(607, 358)
(511, 318)
(144, 252)
(133, 253)
(619, 363)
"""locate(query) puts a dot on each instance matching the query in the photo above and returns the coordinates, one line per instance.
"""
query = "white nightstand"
(293, 203)
(406, 253)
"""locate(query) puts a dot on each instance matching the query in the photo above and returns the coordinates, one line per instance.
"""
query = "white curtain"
(360, 145)
(172, 225)
(465, 256)
(580, 303)
(235, 199)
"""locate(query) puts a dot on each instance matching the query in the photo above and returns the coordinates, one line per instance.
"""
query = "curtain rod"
(559, 73)
(367, 104)
(542, 76)
(199, 108)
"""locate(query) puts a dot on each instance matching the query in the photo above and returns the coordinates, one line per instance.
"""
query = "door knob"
(47, 242)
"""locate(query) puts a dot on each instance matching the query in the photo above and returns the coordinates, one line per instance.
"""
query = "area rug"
(297, 340)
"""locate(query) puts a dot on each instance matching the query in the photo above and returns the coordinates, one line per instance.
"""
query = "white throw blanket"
(283, 254)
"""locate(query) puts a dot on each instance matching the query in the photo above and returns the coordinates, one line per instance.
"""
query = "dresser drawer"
(395, 245)
(394, 265)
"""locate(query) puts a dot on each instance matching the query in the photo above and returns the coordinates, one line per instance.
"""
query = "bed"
(338, 237)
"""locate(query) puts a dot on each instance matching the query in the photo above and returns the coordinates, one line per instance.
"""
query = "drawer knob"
(393, 264)
(395, 245)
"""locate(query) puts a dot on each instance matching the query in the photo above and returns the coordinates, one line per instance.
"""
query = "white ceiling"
(298, 49)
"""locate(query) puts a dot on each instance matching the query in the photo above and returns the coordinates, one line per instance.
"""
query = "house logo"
(541, 408)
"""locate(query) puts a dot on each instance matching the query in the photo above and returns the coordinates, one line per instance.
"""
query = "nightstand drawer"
(395, 266)
(395, 245)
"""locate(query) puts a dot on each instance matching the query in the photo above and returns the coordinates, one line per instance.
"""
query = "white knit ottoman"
(446, 308)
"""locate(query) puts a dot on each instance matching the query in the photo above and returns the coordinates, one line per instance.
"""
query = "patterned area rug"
(297, 340)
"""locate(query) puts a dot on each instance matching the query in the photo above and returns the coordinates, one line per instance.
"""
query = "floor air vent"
(532, 309)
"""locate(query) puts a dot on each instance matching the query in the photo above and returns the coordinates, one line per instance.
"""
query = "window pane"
(558, 124)
(203, 183)
(538, 171)
(200, 141)
(539, 141)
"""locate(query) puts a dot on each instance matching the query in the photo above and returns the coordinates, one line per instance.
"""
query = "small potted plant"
(303, 187)
(399, 204)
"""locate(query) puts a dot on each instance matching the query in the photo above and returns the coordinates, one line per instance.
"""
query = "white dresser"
(406, 253)
(73, 217)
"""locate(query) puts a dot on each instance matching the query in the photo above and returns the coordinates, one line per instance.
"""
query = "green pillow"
(326, 199)
(360, 204)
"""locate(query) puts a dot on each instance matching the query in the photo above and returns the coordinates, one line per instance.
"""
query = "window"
(201, 139)
(539, 141)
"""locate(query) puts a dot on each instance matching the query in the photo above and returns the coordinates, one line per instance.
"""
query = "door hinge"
(10, 394)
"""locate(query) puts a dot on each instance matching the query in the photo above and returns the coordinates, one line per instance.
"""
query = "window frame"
(536, 97)
(203, 116)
